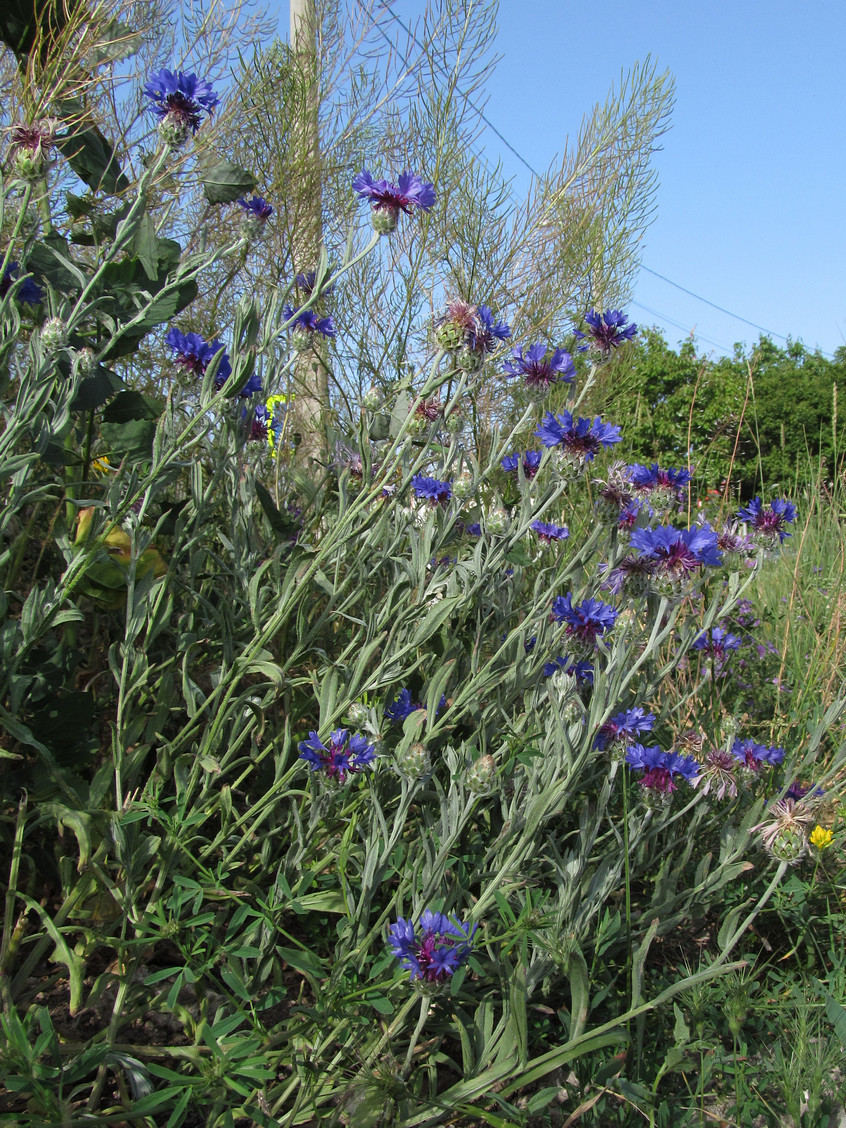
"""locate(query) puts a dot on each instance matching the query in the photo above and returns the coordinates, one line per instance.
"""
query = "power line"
(534, 171)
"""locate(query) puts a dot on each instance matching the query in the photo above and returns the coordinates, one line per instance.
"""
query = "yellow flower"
(821, 838)
(101, 465)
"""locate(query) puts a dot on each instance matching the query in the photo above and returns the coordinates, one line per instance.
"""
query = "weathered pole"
(311, 372)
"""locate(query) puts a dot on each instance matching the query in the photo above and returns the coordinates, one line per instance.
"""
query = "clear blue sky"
(753, 169)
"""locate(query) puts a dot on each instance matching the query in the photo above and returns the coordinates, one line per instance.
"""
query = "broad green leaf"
(224, 182)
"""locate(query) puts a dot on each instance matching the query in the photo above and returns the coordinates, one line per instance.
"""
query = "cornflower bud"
(413, 761)
(481, 775)
(54, 334)
(496, 522)
(372, 400)
(464, 487)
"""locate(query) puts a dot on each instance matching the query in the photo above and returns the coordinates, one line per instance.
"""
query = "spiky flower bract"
(605, 331)
(344, 755)
(718, 774)
(444, 945)
(769, 524)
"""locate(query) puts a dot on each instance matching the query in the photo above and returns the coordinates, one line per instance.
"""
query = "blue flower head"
(256, 207)
(308, 323)
(660, 767)
(388, 200)
(403, 707)
(486, 332)
(752, 755)
(624, 727)
(531, 463)
(677, 553)
(586, 621)
(443, 946)
(29, 292)
(653, 480)
(581, 670)
(180, 98)
(767, 524)
(432, 490)
(606, 331)
(344, 755)
(717, 643)
(547, 533)
(538, 368)
(579, 438)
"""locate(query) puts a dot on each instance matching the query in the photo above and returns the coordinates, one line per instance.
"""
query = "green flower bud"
(481, 775)
(54, 334)
(413, 761)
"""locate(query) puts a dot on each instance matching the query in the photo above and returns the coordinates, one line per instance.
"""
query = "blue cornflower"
(539, 370)
(769, 523)
(717, 643)
(586, 621)
(531, 463)
(444, 945)
(606, 331)
(193, 354)
(307, 280)
(256, 207)
(548, 533)
(307, 323)
(660, 767)
(676, 553)
(403, 707)
(485, 332)
(259, 423)
(753, 755)
(624, 727)
(344, 754)
(474, 529)
(580, 438)
(29, 292)
(652, 479)
(388, 200)
(180, 99)
(581, 670)
(433, 490)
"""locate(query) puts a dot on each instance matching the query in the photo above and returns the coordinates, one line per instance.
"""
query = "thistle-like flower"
(388, 200)
(718, 774)
(31, 147)
(256, 212)
(784, 834)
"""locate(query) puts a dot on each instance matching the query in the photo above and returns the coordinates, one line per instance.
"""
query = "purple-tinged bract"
(344, 755)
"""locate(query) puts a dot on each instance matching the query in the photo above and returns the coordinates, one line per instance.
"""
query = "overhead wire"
(527, 164)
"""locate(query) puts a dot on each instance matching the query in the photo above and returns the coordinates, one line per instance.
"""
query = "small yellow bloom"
(821, 838)
(101, 465)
